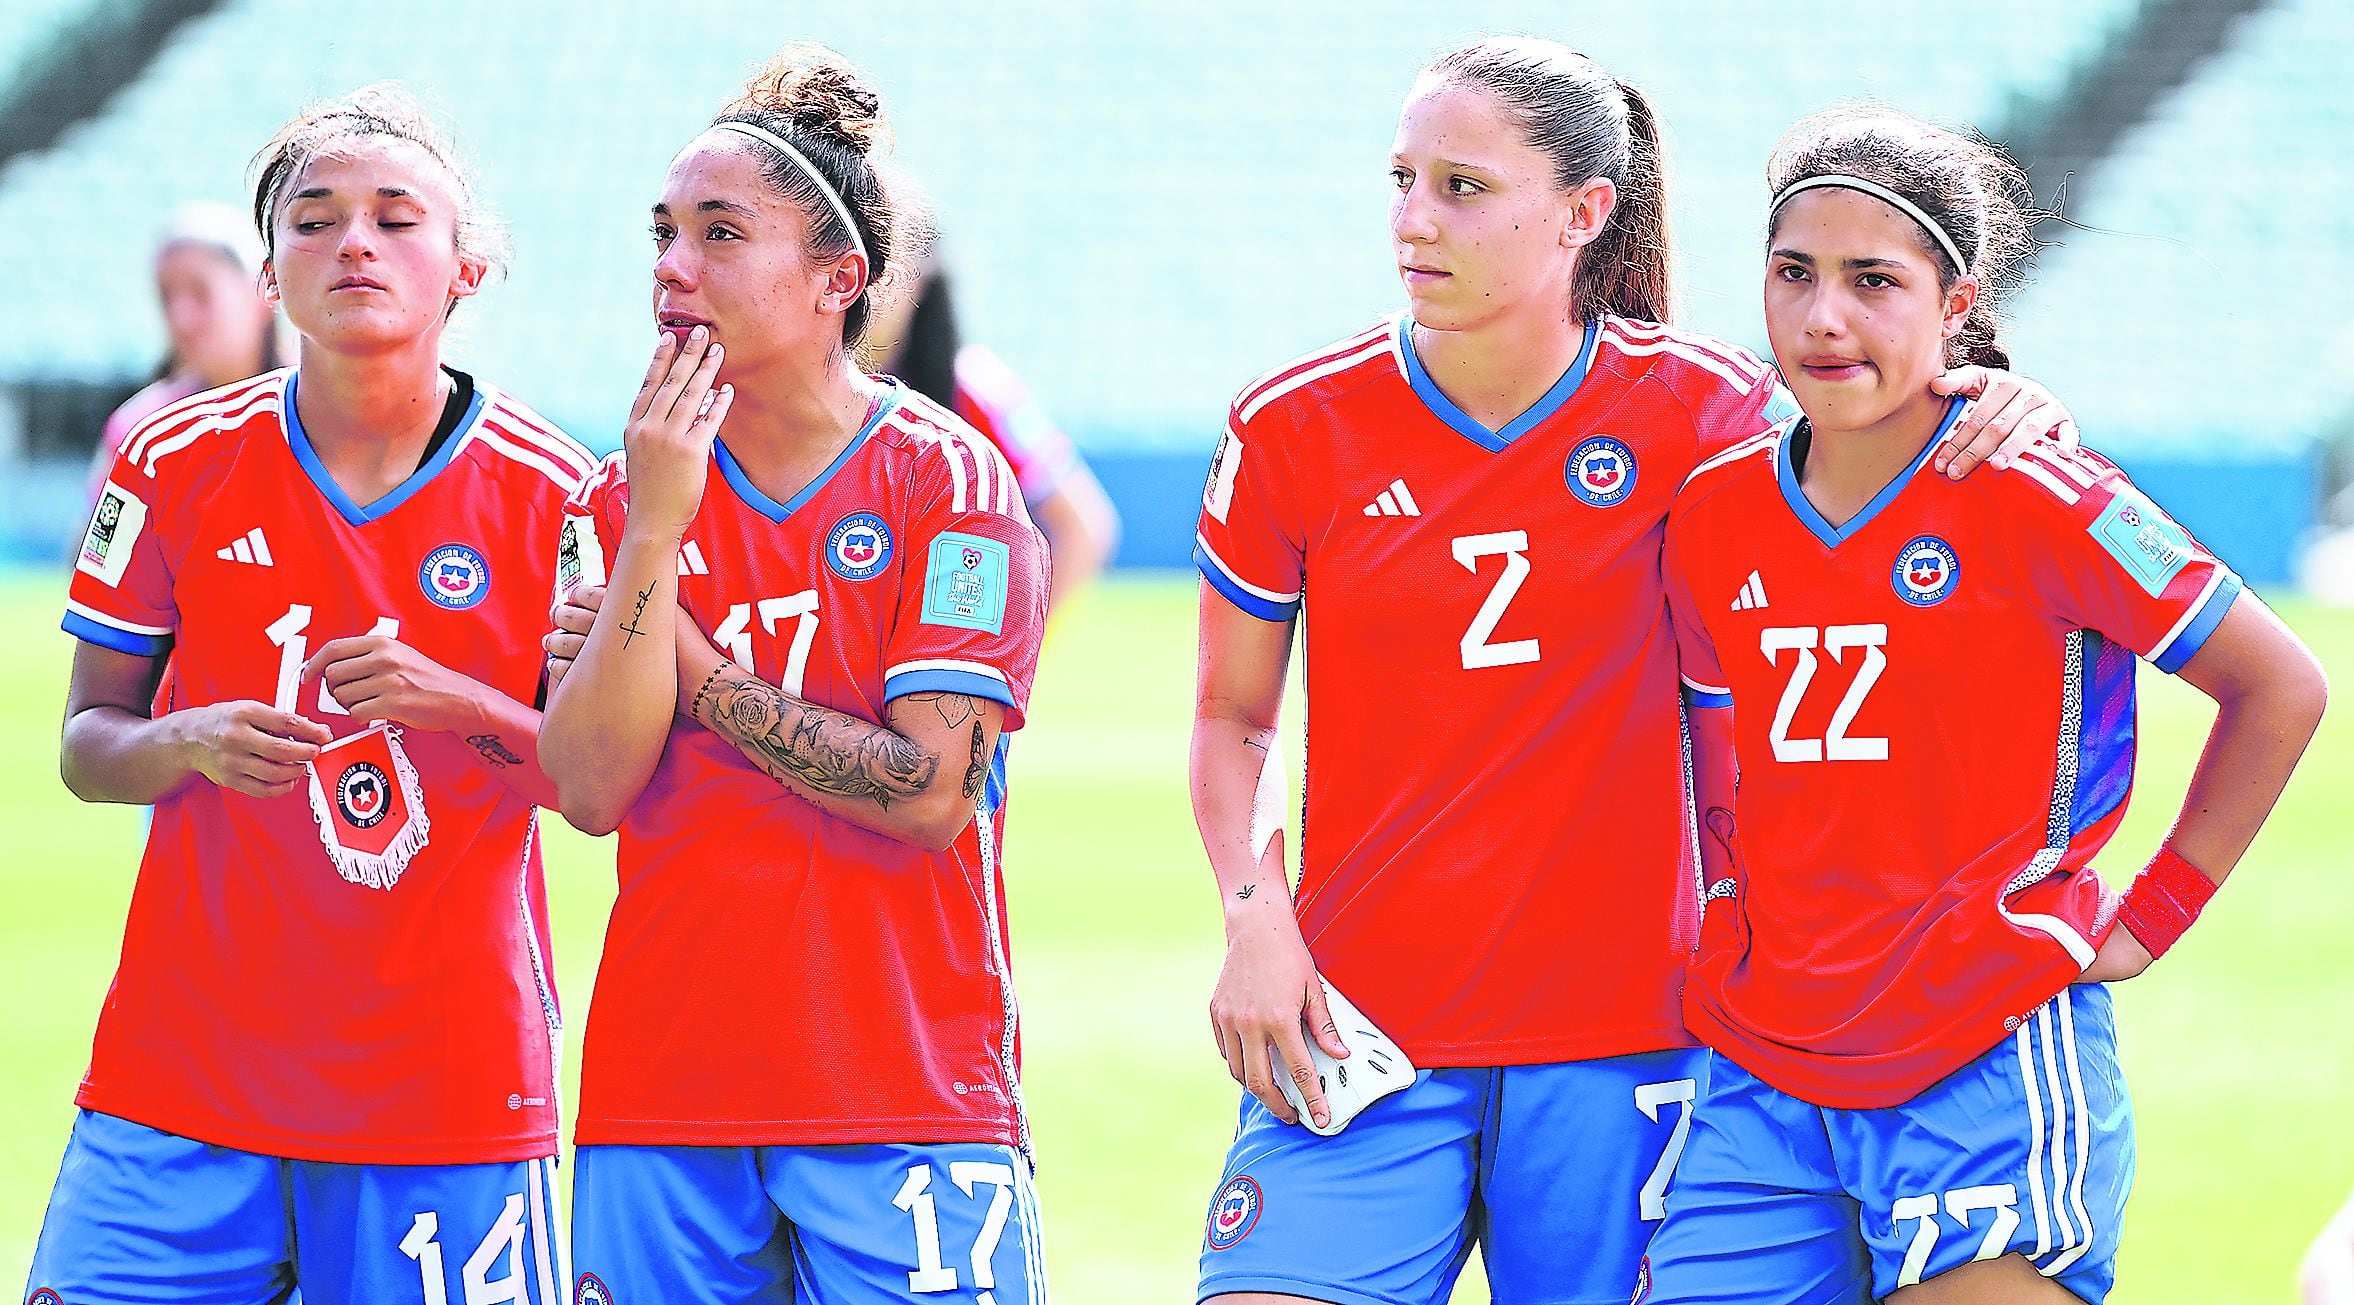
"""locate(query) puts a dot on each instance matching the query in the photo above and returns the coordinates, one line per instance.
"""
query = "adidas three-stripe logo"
(249, 547)
(1752, 595)
(1394, 502)
(690, 560)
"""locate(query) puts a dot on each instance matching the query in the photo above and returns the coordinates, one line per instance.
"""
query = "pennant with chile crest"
(369, 805)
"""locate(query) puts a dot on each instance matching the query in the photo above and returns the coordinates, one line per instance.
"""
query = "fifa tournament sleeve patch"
(2151, 548)
(114, 530)
(965, 583)
(580, 558)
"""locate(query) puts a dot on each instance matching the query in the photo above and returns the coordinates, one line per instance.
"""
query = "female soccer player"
(328, 1057)
(800, 1079)
(222, 329)
(1495, 868)
(1915, 1094)
(916, 338)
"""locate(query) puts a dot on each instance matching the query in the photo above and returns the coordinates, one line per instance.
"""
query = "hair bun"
(822, 93)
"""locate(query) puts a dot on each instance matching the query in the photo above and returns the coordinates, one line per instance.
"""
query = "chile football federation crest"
(369, 806)
(1234, 1211)
(1926, 569)
(591, 1291)
(1601, 471)
(455, 576)
(858, 546)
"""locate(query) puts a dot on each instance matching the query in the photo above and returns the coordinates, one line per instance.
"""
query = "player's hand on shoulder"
(1268, 997)
(2007, 413)
(250, 747)
(377, 677)
(2120, 958)
(571, 619)
(671, 427)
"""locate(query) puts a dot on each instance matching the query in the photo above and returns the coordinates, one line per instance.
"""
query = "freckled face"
(1477, 223)
(732, 254)
(1853, 308)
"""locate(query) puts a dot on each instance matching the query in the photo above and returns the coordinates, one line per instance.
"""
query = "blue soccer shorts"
(144, 1216)
(2027, 1149)
(1556, 1172)
(823, 1225)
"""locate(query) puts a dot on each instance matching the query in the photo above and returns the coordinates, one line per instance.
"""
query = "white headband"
(1885, 196)
(801, 161)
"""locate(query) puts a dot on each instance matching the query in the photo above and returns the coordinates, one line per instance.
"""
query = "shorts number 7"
(1649, 1097)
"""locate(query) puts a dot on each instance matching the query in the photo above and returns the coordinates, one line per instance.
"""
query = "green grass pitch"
(2240, 1048)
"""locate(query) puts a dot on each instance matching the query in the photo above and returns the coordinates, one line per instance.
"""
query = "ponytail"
(1626, 270)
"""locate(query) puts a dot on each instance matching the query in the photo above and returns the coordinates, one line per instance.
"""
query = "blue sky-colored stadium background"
(1150, 203)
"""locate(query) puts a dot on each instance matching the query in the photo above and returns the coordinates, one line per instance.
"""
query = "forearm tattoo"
(630, 631)
(826, 751)
(493, 751)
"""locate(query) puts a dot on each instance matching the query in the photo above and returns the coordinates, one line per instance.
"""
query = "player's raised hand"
(377, 677)
(671, 426)
(2007, 413)
(572, 617)
(251, 747)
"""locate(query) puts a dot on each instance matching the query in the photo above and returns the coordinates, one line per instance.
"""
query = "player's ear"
(1958, 303)
(1590, 206)
(841, 288)
(270, 293)
(471, 273)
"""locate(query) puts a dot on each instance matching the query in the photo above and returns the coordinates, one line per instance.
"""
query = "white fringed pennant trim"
(377, 869)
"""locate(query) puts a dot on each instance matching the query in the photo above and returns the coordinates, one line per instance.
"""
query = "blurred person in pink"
(208, 267)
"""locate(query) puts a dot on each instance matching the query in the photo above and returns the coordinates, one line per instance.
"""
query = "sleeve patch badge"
(114, 530)
(2151, 548)
(580, 558)
(965, 582)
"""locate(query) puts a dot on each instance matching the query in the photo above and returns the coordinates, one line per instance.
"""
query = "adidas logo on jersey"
(1752, 595)
(250, 548)
(690, 560)
(1394, 502)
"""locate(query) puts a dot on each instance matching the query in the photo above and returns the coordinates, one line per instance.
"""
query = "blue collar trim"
(300, 441)
(777, 512)
(1494, 441)
(1832, 536)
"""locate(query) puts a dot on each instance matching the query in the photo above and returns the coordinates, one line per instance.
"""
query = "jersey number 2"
(1512, 545)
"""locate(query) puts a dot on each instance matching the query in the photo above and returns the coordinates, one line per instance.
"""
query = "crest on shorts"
(1601, 471)
(44, 1297)
(455, 576)
(591, 1291)
(369, 806)
(1235, 1211)
(859, 546)
(1926, 569)
(1642, 1282)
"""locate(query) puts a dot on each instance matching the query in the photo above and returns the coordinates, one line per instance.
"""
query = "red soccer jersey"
(998, 404)
(773, 974)
(265, 1000)
(1933, 714)
(1494, 864)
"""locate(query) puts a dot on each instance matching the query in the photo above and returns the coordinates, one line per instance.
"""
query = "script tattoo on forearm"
(493, 751)
(630, 631)
(818, 749)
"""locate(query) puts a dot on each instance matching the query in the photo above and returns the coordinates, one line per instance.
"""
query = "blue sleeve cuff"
(1251, 604)
(2194, 636)
(123, 641)
(1700, 698)
(969, 683)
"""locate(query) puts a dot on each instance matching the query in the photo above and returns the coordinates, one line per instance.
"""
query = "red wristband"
(2163, 900)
